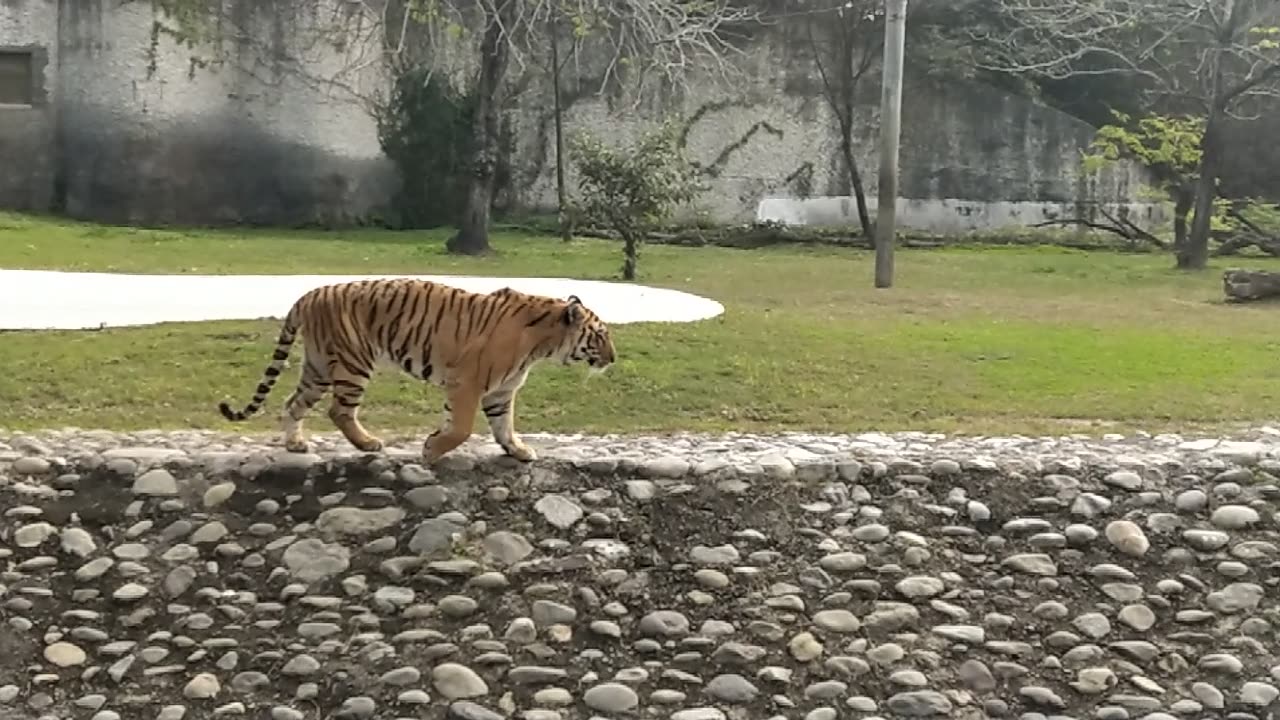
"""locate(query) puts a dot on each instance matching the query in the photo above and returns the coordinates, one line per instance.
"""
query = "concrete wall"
(972, 157)
(26, 131)
(143, 136)
(135, 132)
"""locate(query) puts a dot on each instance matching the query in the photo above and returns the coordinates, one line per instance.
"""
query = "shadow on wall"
(214, 172)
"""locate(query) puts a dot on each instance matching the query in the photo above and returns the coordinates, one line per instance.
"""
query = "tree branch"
(1251, 81)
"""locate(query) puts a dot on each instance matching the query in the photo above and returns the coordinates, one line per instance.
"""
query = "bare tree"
(846, 44)
(643, 46)
(1207, 59)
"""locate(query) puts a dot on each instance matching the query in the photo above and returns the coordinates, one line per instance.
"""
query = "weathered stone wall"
(143, 136)
(969, 152)
(195, 575)
(27, 157)
(1253, 158)
(140, 133)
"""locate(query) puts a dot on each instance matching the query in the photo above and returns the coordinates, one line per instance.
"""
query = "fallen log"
(1249, 285)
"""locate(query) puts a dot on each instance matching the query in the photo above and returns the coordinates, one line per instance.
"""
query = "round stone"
(1032, 564)
(711, 579)
(457, 606)
(130, 592)
(358, 521)
(698, 713)
(559, 510)
(1235, 598)
(1206, 540)
(1138, 617)
(920, 703)
(202, 686)
(1191, 501)
(1124, 479)
(455, 681)
(837, 621)
(156, 483)
(219, 494)
(401, 676)
(507, 547)
(920, 586)
(312, 560)
(1094, 625)
(553, 697)
(732, 688)
(77, 541)
(664, 623)
(1258, 694)
(301, 665)
(131, 551)
(1127, 537)
(33, 535)
(843, 562)
(804, 647)
(64, 654)
(611, 698)
(1234, 517)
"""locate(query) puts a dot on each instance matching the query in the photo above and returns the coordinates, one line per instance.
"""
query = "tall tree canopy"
(1202, 59)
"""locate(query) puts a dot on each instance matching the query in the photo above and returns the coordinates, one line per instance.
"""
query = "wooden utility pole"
(561, 196)
(895, 36)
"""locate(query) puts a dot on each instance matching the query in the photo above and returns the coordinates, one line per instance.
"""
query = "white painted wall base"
(950, 216)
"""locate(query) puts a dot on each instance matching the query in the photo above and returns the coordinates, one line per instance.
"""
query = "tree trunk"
(848, 86)
(1183, 197)
(1246, 285)
(472, 237)
(566, 233)
(1195, 255)
(855, 177)
(629, 255)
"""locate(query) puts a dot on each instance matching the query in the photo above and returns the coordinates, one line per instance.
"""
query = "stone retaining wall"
(193, 575)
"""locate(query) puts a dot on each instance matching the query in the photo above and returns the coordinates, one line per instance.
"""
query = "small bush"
(630, 189)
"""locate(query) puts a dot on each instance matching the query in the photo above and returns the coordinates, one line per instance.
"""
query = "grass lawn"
(973, 341)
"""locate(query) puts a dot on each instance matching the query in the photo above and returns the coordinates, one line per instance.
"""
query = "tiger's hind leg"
(348, 392)
(460, 415)
(311, 389)
(500, 410)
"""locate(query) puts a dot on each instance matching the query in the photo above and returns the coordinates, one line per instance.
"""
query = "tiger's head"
(587, 338)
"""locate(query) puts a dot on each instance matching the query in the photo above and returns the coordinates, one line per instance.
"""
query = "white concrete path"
(42, 299)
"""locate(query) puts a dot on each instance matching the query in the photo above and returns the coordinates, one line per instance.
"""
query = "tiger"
(478, 347)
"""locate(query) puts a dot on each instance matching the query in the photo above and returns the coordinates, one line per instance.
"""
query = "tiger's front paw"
(430, 453)
(521, 452)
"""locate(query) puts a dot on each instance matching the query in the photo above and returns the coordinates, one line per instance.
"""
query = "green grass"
(971, 340)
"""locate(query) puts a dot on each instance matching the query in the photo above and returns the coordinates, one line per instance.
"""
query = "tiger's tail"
(288, 333)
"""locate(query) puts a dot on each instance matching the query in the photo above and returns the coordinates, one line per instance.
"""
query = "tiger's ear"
(573, 311)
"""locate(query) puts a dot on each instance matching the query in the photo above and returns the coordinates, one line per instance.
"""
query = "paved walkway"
(42, 299)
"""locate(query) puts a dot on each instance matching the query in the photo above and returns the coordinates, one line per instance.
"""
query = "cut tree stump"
(1248, 285)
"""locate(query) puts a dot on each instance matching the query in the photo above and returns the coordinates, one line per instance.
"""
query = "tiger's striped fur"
(479, 347)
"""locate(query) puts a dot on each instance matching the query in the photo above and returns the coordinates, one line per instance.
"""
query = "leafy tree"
(1170, 147)
(631, 188)
(1206, 59)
